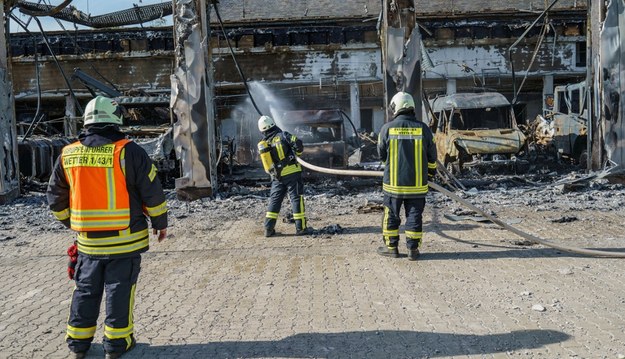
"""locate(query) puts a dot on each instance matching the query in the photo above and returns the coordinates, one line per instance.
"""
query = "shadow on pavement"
(364, 344)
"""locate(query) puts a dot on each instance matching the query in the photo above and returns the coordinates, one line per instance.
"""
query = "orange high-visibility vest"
(99, 198)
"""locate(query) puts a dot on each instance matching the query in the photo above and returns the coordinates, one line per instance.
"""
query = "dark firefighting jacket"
(101, 232)
(407, 148)
(284, 149)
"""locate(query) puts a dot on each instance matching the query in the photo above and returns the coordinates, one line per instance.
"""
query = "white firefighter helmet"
(265, 123)
(103, 110)
(401, 101)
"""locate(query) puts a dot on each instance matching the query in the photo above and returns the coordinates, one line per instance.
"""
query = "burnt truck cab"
(569, 120)
(475, 130)
(323, 135)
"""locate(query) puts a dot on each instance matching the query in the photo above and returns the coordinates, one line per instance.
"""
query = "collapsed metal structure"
(606, 79)
(133, 16)
(192, 101)
(328, 54)
(9, 169)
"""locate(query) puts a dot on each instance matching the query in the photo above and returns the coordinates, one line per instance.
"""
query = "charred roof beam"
(132, 16)
(90, 83)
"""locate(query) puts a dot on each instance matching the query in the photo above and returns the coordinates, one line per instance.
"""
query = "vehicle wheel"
(453, 168)
(521, 167)
(583, 160)
(580, 155)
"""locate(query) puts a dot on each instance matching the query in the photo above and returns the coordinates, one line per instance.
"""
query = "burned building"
(301, 56)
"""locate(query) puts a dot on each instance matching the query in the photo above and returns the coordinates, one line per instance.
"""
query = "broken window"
(489, 118)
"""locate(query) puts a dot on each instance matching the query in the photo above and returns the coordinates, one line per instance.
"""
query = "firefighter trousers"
(294, 186)
(413, 209)
(94, 276)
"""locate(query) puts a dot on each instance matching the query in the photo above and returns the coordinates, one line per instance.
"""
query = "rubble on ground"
(329, 198)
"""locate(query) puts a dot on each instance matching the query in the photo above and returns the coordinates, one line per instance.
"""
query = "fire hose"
(518, 232)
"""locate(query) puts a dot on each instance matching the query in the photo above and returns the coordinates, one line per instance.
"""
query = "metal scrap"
(132, 16)
(564, 219)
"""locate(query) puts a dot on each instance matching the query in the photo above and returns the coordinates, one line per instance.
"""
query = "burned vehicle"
(476, 130)
(323, 134)
(565, 124)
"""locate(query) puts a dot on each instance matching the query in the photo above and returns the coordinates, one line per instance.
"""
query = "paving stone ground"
(218, 289)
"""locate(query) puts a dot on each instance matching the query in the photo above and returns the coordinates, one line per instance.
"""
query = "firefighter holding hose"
(278, 152)
(406, 145)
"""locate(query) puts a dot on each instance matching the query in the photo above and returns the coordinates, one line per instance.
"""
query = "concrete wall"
(490, 6)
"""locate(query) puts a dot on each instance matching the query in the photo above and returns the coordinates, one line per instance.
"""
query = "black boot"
(388, 252)
(413, 254)
(116, 355)
(78, 355)
(304, 232)
(269, 232)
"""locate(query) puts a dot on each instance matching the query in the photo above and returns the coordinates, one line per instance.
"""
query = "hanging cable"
(81, 52)
(34, 121)
(56, 61)
(223, 30)
(541, 37)
(519, 40)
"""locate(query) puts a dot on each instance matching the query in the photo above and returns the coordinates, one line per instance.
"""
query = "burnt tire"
(453, 167)
(582, 160)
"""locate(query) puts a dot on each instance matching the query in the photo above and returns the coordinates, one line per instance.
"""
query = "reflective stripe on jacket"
(284, 148)
(146, 197)
(407, 147)
(99, 198)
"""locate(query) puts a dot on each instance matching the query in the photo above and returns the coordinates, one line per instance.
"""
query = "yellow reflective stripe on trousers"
(117, 333)
(414, 235)
(432, 165)
(61, 215)
(272, 215)
(385, 219)
(80, 333)
(302, 210)
(386, 233)
(124, 333)
(157, 210)
(390, 232)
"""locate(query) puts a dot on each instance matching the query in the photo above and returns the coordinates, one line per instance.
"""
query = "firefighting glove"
(72, 252)
(431, 174)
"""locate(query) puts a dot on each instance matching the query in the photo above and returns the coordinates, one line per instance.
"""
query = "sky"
(93, 7)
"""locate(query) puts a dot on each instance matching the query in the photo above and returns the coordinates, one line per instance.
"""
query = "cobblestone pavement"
(218, 289)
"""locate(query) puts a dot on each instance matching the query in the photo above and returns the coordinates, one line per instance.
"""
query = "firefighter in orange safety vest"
(104, 187)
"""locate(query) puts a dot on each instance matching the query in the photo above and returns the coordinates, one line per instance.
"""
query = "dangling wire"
(223, 30)
(543, 33)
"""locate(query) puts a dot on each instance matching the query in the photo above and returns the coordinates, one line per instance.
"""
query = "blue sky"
(93, 7)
